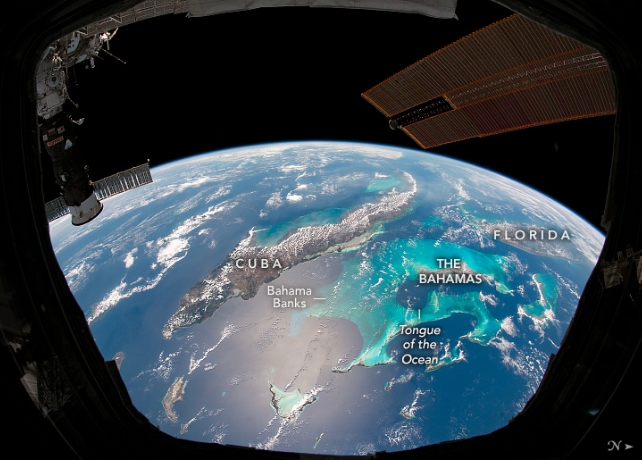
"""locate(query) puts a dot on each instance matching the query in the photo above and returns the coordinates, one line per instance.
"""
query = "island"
(289, 404)
(249, 266)
(118, 358)
(175, 393)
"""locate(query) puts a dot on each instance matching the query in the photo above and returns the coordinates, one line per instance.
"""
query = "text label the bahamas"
(450, 278)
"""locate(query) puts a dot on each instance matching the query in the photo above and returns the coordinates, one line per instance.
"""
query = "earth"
(326, 297)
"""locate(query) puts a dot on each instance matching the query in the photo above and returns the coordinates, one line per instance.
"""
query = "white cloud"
(509, 326)
(294, 198)
(222, 191)
(194, 363)
(171, 249)
(291, 168)
(275, 200)
(129, 258)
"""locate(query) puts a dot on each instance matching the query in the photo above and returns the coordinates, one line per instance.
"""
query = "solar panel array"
(56, 209)
(123, 181)
(106, 187)
(511, 75)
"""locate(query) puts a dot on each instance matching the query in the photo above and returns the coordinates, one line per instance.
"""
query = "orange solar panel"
(511, 75)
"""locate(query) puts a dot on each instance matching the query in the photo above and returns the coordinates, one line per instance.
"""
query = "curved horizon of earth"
(328, 297)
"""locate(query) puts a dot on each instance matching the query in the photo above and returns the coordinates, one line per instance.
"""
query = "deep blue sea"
(335, 365)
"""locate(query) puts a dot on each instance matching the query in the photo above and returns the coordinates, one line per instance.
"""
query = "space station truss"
(104, 188)
(511, 75)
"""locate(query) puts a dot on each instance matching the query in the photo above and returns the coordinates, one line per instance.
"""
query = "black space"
(196, 85)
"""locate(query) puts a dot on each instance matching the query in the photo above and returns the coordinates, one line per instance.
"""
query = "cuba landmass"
(232, 278)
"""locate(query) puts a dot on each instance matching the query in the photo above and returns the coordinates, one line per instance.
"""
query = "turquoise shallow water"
(548, 298)
(270, 236)
(383, 183)
(285, 403)
(431, 222)
(366, 294)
